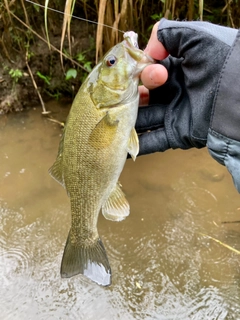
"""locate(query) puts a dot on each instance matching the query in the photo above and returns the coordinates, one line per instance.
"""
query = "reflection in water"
(163, 267)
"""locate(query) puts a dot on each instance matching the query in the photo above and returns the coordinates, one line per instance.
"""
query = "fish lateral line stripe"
(75, 17)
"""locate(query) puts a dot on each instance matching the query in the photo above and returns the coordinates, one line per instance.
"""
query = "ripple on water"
(208, 304)
(16, 273)
(10, 220)
(219, 264)
(75, 298)
(15, 257)
(32, 283)
(14, 262)
(195, 200)
(159, 268)
(126, 255)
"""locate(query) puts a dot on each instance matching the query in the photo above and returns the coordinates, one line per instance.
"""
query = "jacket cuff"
(227, 152)
(225, 118)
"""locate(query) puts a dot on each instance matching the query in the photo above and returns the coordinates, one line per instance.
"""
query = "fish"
(98, 135)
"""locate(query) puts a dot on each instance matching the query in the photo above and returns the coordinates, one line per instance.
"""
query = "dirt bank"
(35, 59)
(24, 56)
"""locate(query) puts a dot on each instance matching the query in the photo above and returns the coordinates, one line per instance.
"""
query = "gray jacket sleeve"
(223, 139)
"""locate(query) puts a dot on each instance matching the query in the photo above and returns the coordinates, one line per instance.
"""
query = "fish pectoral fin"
(104, 132)
(116, 207)
(133, 144)
(88, 260)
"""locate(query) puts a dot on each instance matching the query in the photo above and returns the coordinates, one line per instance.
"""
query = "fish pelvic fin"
(116, 207)
(133, 144)
(90, 261)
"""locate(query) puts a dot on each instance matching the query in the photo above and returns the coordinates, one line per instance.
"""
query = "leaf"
(43, 77)
(71, 73)
(87, 66)
(37, 8)
(80, 57)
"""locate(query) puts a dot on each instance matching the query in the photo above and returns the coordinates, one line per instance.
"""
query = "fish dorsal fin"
(116, 207)
(56, 169)
(133, 144)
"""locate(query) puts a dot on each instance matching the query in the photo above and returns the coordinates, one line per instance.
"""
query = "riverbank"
(26, 73)
(30, 71)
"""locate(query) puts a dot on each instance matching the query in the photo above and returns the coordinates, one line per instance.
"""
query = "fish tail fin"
(91, 261)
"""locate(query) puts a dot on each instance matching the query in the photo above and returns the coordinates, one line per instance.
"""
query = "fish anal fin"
(116, 207)
(90, 261)
(133, 144)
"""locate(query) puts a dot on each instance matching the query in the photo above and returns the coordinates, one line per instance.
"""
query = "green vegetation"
(16, 74)
(46, 79)
(71, 73)
(22, 21)
(60, 51)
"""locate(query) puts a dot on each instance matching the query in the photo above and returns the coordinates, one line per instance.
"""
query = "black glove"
(179, 113)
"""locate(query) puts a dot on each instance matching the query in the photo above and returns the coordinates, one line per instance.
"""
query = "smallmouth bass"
(98, 134)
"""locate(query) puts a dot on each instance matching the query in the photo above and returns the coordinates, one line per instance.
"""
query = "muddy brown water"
(162, 265)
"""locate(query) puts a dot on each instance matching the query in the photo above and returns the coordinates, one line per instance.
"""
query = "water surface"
(163, 266)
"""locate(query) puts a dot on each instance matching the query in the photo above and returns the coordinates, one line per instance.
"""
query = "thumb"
(154, 48)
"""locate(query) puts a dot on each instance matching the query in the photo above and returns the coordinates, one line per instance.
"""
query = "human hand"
(153, 75)
(179, 111)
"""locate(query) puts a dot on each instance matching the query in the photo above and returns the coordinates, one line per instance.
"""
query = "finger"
(143, 96)
(154, 47)
(153, 141)
(154, 76)
(150, 118)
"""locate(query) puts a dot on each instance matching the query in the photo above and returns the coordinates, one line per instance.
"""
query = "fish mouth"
(131, 38)
(142, 59)
(145, 61)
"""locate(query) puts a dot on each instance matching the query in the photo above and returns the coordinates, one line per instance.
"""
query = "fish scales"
(98, 134)
(92, 157)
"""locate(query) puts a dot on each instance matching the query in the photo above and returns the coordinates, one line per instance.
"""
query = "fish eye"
(111, 60)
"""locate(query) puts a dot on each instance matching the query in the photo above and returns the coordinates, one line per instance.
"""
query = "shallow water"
(163, 266)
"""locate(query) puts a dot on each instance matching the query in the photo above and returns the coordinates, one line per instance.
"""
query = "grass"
(121, 15)
(24, 22)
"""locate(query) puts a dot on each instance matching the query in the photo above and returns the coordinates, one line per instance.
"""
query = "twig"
(44, 112)
(25, 12)
(8, 11)
(238, 221)
(5, 50)
(62, 124)
(226, 5)
(223, 244)
(54, 48)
